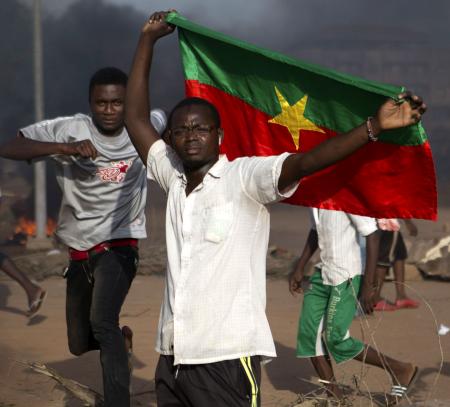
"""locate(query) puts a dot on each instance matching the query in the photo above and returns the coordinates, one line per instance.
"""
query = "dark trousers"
(230, 383)
(96, 290)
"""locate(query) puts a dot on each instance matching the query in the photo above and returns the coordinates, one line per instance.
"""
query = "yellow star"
(293, 117)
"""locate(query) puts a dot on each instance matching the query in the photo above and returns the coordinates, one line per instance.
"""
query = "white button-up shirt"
(338, 239)
(217, 237)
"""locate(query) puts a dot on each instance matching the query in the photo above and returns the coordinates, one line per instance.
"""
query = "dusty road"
(406, 334)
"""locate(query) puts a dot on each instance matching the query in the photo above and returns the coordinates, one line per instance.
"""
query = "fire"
(28, 227)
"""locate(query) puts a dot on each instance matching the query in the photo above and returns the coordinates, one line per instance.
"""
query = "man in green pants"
(330, 301)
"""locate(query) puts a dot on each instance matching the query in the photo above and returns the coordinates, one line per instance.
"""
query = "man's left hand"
(405, 111)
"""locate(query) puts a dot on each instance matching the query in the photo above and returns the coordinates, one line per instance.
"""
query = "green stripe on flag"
(336, 101)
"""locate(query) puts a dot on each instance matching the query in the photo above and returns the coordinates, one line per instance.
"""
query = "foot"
(127, 334)
(332, 389)
(402, 380)
(334, 392)
(406, 303)
(383, 305)
(35, 300)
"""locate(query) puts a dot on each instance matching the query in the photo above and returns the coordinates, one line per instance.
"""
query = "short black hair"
(194, 101)
(108, 76)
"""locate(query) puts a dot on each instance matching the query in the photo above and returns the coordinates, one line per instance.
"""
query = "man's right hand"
(367, 298)
(156, 25)
(295, 282)
(83, 148)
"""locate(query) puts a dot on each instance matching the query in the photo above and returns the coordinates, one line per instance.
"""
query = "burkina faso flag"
(270, 103)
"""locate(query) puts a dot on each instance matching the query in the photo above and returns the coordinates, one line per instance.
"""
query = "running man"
(101, 219)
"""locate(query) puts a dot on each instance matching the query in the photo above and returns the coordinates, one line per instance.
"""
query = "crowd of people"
(213, 334)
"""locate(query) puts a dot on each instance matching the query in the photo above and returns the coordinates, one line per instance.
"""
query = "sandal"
(36, 304)
(407, 303)
(383, 305)
(399, 392)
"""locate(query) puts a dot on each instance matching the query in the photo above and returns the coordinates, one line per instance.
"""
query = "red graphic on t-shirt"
(116, 173)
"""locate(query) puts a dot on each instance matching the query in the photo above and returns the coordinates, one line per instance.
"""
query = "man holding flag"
(213, 331)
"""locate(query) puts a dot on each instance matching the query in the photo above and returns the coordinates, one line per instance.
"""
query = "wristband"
(369, 128)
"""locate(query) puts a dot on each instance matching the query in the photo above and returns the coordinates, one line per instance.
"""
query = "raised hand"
(156, 25)
(405, 111)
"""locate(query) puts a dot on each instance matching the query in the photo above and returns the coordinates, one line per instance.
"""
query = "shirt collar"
(215, 171)
(218, 168)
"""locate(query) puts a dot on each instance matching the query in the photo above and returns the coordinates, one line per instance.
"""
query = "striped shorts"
(326, 316)
(221, 384)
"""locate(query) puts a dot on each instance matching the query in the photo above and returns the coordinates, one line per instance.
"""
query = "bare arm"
(411, 226)
(22, 148)
(390, 115)
(367, 289)
(296, 277)
(137, 101)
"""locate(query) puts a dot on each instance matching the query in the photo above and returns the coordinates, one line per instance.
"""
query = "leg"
(114, 271)
(339, 316)
(399, 279)
(343, 347)
(324, 368)
(402, 373)
(78, 305)
(385, 254)
(35, 293)
(381, 303)
(309, 338)
(401, 254)
(380, 275)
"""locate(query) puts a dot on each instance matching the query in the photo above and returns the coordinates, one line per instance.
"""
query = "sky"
(270, 22)
(79, 38)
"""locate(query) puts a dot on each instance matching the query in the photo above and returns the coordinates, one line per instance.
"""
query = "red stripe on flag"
(381, 180)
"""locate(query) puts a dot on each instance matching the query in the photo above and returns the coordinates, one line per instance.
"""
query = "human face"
(194, 136)
(107, 107)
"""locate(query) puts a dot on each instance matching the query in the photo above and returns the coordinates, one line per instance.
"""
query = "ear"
(220, 134)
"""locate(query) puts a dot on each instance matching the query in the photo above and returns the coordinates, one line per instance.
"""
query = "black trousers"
(222, 384)
(96, 290)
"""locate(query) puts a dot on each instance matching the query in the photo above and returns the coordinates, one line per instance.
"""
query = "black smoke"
(402, 42)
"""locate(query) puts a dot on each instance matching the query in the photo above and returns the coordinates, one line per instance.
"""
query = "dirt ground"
(405, 334)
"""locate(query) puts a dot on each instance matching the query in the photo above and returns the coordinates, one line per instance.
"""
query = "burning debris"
(26, 228)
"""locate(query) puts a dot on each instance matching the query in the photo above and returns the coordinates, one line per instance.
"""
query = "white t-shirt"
(102, 199)
(338, 238)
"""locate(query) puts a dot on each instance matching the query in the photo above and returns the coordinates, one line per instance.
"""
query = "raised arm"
(137, 101)
(22, 148)
(391, 115)
(296, 277)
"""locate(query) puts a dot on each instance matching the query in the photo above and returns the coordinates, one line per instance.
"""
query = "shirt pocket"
(218, 222)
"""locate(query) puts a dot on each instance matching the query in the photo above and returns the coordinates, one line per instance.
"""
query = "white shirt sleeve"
(53, 131)
(259, 178)
(363, 224)
(163, 164)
